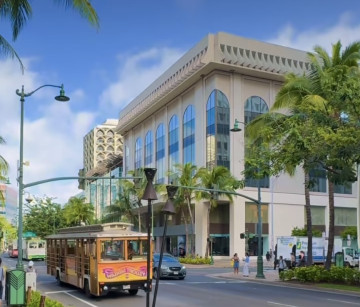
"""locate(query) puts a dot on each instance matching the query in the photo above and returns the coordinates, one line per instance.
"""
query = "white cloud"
(136, 73)
(345, 30)
(52, 141)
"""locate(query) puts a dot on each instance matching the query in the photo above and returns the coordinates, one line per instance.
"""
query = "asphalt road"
(198, 290)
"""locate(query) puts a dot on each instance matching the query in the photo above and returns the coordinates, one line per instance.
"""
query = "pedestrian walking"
(236, 263)
(293, 260)
(282, 264)
(246, 265)
(268, 257)
(302, 261)
(275, 259)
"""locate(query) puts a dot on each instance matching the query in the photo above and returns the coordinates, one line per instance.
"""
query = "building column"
(200, 228)
(237, 226)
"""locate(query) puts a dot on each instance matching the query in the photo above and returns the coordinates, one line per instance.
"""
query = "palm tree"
(186, 176)
(76, 212)
(322, 96)
(123, 208)
(18, 12)
(218, 178)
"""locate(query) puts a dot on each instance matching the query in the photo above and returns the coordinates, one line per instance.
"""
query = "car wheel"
(133, 292)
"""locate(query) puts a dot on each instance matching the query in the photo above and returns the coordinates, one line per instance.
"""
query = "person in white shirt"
(30, 267)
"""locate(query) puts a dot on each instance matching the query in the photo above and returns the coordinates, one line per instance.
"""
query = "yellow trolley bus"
(99, 258)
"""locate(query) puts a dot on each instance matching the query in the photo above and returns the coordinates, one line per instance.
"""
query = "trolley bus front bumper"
(105, 288)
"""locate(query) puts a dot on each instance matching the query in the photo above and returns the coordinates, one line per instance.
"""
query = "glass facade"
(189, 135)
(217, 130)
(255, 106)
(138, 153)
(173, 143)
(148, 148)
(160, 154)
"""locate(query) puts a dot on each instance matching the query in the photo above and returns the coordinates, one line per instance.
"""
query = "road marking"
(206, 282)
(62, 291)
(279, 304)
(81, 300)
(345, 302)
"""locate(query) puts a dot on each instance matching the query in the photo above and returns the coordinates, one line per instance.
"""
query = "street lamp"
(22, 95)
(149, 195)
(260, 261)
(169, 209)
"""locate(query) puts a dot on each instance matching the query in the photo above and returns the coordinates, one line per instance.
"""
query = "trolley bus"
(99, 258)
(34, 249)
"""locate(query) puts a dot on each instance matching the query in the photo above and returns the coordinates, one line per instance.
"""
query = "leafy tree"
(218, 178)
(3, 172)
(320, 127)
(350, 230)
(76, 212)
(44, 217)
(302, 232)
(19, 12)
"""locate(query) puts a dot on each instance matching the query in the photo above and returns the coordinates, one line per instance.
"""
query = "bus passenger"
(131, 251)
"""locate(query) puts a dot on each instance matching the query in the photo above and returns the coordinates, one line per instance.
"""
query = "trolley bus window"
(136, 249)
(32, 245)
(112, 250)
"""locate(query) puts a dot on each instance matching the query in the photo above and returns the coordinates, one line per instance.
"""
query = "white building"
(185, 116)
(102, 157)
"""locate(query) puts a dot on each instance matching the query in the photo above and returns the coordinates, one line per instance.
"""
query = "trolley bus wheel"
(133, 292)
(59, 282)
(87, 289)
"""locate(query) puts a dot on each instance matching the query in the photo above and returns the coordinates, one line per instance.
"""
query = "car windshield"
(166, 258)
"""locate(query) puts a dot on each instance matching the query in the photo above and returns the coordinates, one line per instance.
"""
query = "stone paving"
(270, 274)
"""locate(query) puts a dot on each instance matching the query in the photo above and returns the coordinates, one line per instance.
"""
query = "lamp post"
(260, 261)
(168, 209)
(22, 95)
(149, 195)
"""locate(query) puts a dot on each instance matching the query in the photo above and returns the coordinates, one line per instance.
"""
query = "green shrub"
(195, 260)
(317, 273)
(35, 301)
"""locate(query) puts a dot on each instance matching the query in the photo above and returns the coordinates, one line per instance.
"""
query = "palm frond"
(7, 50)
(85, 9)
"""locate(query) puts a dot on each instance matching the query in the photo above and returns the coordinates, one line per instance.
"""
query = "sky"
(104, 69)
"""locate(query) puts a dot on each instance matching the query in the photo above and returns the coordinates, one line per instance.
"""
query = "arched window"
(255, 106)
(148, 148)
(173, 143)
(138, 153)
(189, 135)
(217, 130)
(160, 154)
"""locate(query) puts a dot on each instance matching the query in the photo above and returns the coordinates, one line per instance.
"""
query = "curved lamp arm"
(61, 97)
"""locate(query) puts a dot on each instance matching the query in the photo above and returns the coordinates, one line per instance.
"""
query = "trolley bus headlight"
(106, 288)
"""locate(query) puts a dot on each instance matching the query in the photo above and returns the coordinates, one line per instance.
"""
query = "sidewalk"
(270, 274)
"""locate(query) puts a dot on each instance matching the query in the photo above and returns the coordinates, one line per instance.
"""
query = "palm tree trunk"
(192, 225)
(308, 217)
(331, 225)
(186, 233)
(208, 243)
